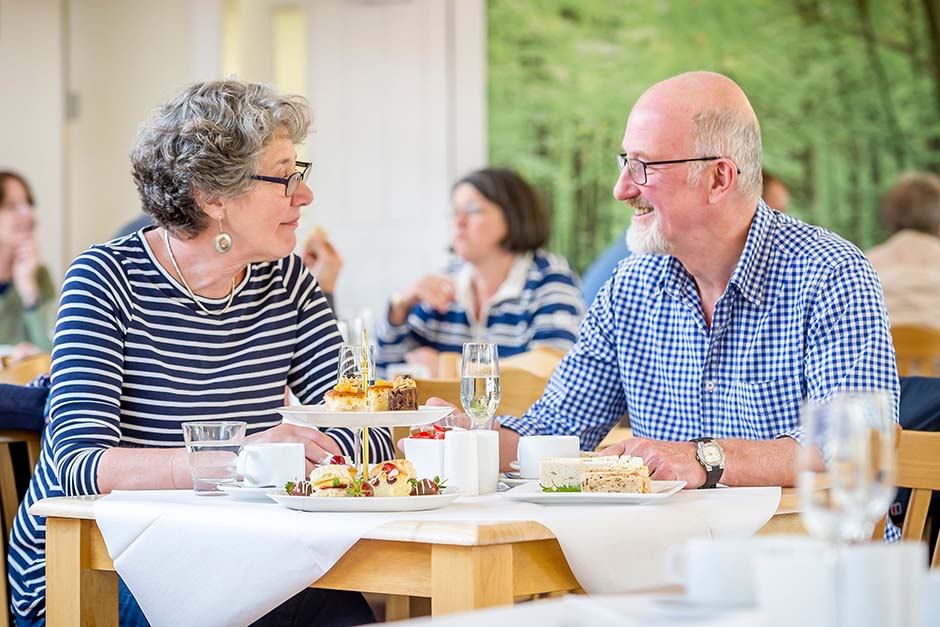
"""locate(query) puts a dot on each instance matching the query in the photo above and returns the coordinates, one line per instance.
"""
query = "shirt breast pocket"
(766, 408)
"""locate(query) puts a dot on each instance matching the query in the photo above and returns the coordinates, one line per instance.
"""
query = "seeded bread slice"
(623, 481)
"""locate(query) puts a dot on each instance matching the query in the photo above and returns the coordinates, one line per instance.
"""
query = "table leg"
(76, 595)
(469, 577)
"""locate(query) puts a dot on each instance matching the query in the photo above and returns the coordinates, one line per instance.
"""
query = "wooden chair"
(19, 373)
(917, 350)
(25, 370)
(918, 468)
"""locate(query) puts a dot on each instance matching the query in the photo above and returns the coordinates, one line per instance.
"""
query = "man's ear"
(212, 205)
(722, 180)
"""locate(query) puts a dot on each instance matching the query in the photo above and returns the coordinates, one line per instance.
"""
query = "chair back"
(918, 468)
(25, 370)
(917, 350)
(20, 373)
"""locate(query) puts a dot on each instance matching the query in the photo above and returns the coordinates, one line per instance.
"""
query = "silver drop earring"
(223, 241)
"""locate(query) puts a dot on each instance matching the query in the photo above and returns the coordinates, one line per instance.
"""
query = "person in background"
(504, 288)
(27, 294)
(323, 261)
(208, 305)
(773, 191)
(908, 263)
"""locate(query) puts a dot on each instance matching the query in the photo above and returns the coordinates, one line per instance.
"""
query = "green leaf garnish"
(336, 482)
(289, 486)
(560, 488)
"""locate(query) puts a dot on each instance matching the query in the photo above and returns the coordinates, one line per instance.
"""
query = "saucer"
(684, 608)
(513, 479)
(244, 493)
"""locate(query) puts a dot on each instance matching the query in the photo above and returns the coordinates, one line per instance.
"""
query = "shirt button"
(709, 385)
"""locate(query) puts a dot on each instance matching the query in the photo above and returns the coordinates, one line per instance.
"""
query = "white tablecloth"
(609, 611)
(217, 561)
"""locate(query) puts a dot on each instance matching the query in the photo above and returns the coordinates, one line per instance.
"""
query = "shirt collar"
(510, 289)
(749, 273)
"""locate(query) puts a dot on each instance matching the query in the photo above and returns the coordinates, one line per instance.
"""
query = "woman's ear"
(212, 205)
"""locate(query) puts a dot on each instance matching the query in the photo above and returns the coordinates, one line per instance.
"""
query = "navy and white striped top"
(133, 357)
(538, 305)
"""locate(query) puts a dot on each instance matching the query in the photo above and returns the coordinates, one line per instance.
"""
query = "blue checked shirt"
(802, 317)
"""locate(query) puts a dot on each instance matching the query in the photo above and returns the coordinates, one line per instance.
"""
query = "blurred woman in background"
(27, 295)
(503, 288)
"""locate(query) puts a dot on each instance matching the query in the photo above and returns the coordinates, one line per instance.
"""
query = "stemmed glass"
(479, 383)
(846, 467)
(352, 357)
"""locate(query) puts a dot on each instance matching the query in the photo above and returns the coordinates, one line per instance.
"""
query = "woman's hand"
(424, 356)
(25, 271)
(436, 290)
(322, 260)
(318, 447)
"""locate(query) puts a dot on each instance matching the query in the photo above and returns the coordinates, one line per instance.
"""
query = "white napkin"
(215, 561)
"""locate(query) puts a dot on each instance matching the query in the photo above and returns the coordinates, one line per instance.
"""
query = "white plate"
(320, 416)
(365, 504)
(531, 492)
(243, 493)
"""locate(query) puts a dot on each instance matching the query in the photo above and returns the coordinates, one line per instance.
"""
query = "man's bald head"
(710, 113)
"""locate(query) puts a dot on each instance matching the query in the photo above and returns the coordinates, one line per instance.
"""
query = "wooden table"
(493, 563)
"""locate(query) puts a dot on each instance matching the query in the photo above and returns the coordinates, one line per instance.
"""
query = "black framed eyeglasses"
(637, 168)
(290, 183)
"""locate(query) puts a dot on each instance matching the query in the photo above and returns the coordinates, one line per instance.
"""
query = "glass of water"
(479, 383)
(846, 465)
(213, 449)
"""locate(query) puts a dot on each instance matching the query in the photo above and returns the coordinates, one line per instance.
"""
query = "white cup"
(471, 461)
(880, 585)
(797, 587)
(533, 448)
(272, 463)
(426, 455)
(930, 596)
(723, 571)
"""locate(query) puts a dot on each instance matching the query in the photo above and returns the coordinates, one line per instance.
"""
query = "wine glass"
(350, 362)
(479, 383)
(846, 468)
(351, 357)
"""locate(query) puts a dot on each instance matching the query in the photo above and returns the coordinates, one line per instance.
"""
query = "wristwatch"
(712, 458)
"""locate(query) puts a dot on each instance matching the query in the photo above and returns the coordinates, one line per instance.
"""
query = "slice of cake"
(377, 395)
(404, 394)
(347, 395)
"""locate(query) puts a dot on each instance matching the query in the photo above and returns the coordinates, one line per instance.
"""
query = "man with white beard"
(728, 315)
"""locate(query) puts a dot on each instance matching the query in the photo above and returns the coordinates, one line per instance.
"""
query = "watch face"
(711, 454)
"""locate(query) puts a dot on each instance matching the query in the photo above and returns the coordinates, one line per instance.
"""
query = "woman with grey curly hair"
(205, 316)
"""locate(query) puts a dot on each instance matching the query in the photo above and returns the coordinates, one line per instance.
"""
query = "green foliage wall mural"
(847, 92)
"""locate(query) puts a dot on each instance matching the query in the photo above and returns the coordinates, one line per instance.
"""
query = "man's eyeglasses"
(290, 184)
(637, 168)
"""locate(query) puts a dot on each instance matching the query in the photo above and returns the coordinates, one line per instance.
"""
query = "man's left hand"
(667, 461)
